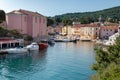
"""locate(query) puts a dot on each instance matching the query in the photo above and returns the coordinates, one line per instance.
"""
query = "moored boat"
(65, 40)
(17, 50)
(85, 39)
(43, 46)
(32, 46)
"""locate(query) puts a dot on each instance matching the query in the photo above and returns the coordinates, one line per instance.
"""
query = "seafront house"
(112, 38)
(58, 29)
(69, 31)
(107, 31)
(77, 28)
(54, 30)
(50, 30)
(27, 22)
(87, 31)
(90, 31)
(64, 30)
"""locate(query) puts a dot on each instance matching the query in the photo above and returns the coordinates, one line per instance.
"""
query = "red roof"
(86, 25)
(26, 12)
(8, 41)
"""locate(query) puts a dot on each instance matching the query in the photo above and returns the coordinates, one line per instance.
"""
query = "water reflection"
(63, 61)
(12, 65)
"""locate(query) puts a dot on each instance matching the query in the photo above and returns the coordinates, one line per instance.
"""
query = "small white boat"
(33, 46)
(108, 43)
(17, 50)
(66, 40)
(85, 38)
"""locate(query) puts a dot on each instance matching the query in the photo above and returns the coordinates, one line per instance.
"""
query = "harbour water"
(63, 61)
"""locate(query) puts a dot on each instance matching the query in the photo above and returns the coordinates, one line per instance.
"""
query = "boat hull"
(33, 47)
(42, 46)
(16, 50)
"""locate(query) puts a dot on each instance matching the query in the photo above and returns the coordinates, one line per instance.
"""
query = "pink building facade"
(27, 22)
(107, 31)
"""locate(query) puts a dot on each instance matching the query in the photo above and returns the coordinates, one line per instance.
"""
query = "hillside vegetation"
(111, 14)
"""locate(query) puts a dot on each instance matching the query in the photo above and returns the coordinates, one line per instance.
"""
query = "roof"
(6, 40)
(86, 25)
(26, 12)
(111, 24)
(109, 27)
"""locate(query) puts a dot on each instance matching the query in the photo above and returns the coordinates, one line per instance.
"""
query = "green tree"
(3, 32)
(2, 16)
(50, 22)
(108, 62)
(88, 17)
(58, 20)
(15, 33)
(67, 21)
(28, 38)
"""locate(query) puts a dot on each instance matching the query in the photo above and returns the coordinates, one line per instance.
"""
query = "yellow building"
(64, 30)
(90, 31)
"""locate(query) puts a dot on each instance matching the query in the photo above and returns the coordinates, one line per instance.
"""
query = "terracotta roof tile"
(26, 12)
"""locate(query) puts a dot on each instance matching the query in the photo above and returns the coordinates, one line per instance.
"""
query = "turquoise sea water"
(63, 61)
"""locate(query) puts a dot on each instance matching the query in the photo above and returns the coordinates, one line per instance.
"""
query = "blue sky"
(57, 7)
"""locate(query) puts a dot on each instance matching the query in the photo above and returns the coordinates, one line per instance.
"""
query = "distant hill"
(111, 14)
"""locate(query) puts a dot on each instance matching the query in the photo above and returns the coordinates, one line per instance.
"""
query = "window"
(25, 19)
(96, 33)
(36, 19)
(40, 20)
(43, 20)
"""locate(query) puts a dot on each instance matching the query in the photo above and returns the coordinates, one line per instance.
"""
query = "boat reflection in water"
(21, 64)
(64, 61)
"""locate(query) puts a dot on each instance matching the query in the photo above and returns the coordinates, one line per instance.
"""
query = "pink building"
(27, 22)
(107, 31)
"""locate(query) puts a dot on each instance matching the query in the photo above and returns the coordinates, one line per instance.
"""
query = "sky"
(57, 7)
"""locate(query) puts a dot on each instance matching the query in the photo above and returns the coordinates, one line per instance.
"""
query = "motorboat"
(32, 46)
(51, 41)
(85, 38)
(17, 50)
(65, 40)
(43, 46)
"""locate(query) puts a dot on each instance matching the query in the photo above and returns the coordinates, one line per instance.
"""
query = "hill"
(111, 14)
